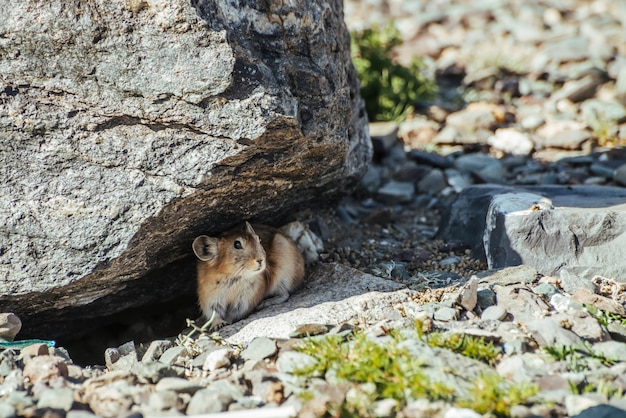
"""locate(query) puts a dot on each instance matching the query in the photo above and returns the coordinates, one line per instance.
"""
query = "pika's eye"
(238, 245)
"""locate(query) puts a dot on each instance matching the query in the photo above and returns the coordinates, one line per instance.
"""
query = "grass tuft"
(390, 90)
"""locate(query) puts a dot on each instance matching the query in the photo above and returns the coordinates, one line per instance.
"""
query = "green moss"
(381, 368)
(390, 91)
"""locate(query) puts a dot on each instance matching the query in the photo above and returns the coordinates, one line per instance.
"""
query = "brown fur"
(234, 281)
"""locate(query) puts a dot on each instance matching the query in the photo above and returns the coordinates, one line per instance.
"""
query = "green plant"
(394, 372)
(577, 357)
(603, 387)
(605, 317)
(372, 369)
(604, 130)
(490, 393)
(467, 345)
(390, 90)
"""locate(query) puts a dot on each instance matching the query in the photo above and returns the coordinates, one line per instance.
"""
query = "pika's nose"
(259, 262)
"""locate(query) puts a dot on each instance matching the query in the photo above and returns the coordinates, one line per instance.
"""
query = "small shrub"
(390, 90)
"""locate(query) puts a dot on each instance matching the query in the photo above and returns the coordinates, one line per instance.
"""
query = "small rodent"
(243, 266)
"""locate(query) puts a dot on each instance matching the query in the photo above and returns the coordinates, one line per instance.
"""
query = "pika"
(243, 266)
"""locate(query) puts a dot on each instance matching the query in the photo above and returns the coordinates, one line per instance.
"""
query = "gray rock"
(45, 369)
(18, 400)
(532, 122)
(546, 289)
(620, 175)
(579, 90)
(448, 135)
(217, 359)
(177, 384)
(153, 371)
(56, 399)
(308, 330)
(571, 282)
(431, 158)
(471, 119)
(486, 298)
(172, 355)
(563, 134)
(432, 183)
(581, 323)
(522, 368)
(597, 411)
(13, 381)
(418, 132)
(396, 192)
(558, 232)
(122, 358)
(603, 170)
(497, 313)
(617, 331)
(597, 111)
(290, 361)
(372, 178)
(137, 140)
(509, 275)
(10, 325)
(548, 332)
(575, 48)
(444, 313)
(468, 297)
(385, 408)
(454, 412)
(575, 404)
(457, 180)
(485, 167)
(613, 350)
(384, 136)
(584, 296)
(7, 410)
(450, 261)
(228, 387)
(162, 401)
(156, 349)
(511, 141)
(259, 349)
(513, 347)
(520, 302)
(208, 401)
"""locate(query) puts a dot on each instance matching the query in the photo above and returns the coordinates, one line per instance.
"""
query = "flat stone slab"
(580, 229)
(333, 294)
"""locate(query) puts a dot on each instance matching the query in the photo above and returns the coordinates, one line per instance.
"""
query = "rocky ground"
(530, 94)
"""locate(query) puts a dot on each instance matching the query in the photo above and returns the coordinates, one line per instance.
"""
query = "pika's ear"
(205, 248)
(249, 229)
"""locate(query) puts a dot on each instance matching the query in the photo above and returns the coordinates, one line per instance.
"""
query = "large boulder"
(580, 230)
(128, 127)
